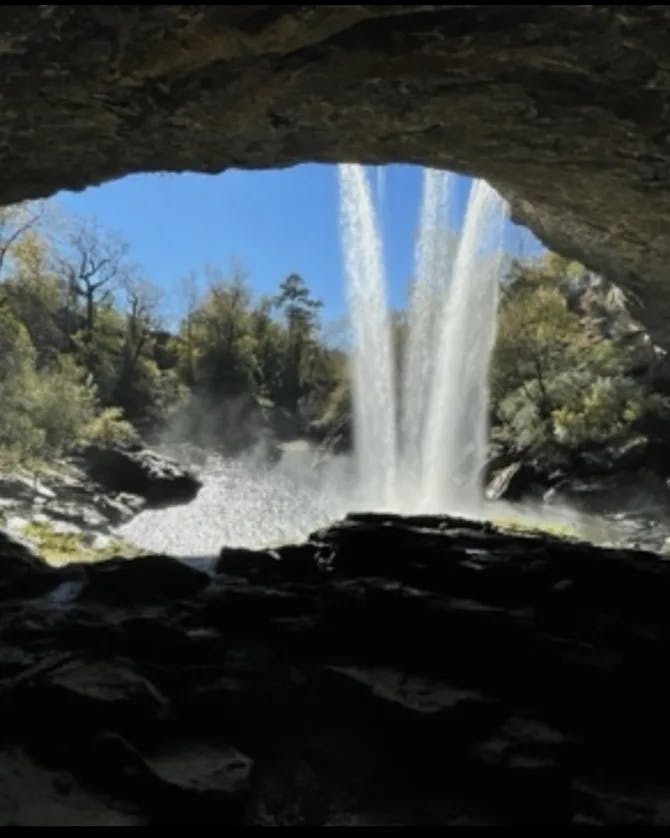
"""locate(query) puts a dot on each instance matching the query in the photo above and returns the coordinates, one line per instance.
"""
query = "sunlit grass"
(59, 548)
(554, 528)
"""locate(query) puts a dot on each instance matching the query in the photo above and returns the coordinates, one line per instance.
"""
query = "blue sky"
(270, 222)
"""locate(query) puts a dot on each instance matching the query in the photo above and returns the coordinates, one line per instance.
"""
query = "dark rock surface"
(564, 108)
(390, 671)
(137, 470)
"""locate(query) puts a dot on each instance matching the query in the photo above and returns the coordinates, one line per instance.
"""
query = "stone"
(560, 107)
(79, 514)
(34, 795)
(396, 671)
(103, 693)
(17, 560)
(143, 578)
(512, 482)
(421, 695)
(160, 481)
(202, 769)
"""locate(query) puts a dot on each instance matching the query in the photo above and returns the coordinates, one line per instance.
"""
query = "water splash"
(245, 502)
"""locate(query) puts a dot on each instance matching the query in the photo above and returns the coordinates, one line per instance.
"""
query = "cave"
(389, 671)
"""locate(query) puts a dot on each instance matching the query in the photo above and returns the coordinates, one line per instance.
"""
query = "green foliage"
(64, 401)
(232, 353)
(557, 382)
(109, 428)
(42, 409)
(83, 354)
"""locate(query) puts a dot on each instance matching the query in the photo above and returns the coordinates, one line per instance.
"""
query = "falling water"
(435, 461)
(457, 428)
(431, 282)
(372, 361)
(428, 456)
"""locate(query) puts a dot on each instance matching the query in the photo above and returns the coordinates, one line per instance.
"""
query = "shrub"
(109, 428)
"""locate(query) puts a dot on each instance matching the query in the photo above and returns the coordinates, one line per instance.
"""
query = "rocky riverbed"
(388, 671)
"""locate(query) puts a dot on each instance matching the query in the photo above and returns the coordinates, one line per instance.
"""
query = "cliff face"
(564, 109)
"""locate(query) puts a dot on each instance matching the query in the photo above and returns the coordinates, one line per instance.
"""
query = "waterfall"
(372, 363)
(430, 284)
(457, 429)
(433, 462)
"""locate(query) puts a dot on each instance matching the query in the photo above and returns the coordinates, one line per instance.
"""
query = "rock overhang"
(563, 108)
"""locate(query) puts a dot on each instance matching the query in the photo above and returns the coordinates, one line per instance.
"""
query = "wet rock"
(138, 471)
(513, 481)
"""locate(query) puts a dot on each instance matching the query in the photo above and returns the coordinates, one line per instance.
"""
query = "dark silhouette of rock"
(140, 472)
(152, 578)
(389, 671)
(17, 560)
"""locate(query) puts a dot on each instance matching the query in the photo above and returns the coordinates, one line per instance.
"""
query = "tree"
(92, 267)
(138, 383)
(191, 294)
(37, 295)
(300, 312)
(16, 221)
(42, 410)
(557, 381)
(270, 349)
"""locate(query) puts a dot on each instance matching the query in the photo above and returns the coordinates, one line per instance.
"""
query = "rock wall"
(563, 108)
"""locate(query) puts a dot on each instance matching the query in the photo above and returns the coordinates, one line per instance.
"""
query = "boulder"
(145, 578)
(16, 559)
(139, 471)
(511, 481)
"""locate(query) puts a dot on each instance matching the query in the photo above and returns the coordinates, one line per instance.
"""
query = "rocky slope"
(389, 671)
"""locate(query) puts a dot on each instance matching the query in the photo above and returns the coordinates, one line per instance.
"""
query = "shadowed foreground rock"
(389, 671)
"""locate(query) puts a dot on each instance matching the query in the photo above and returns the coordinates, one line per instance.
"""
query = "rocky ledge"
(77, 503)
(389, 671)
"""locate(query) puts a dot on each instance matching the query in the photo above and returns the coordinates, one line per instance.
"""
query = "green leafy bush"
(109, 428)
